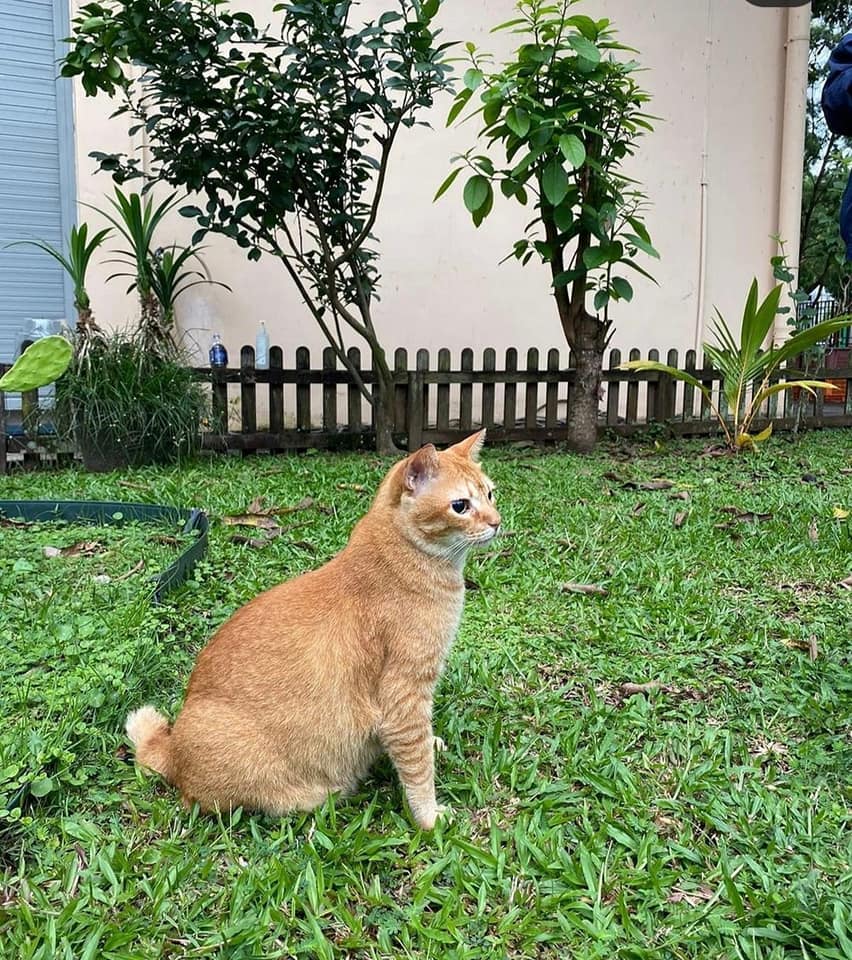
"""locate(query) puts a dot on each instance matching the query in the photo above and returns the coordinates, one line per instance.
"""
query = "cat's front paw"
(439, 745)
(426, 819)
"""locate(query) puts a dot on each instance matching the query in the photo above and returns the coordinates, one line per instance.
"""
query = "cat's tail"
(150, 732)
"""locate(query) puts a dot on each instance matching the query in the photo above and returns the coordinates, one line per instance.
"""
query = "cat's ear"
(420, 468)
(471, 446)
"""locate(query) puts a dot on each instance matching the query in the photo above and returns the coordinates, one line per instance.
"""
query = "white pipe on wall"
(793, 146)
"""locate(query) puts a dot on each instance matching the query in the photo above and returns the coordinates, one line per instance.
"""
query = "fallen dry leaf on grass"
(637, 509)
(357, 487)
(591, 589)
(813, 530)
(740, 516)
(839, 513)
(681, 495)
(656, 485)
(692, 897)
(680, 518)
(85, 548)
(632, 689)
(847, 583)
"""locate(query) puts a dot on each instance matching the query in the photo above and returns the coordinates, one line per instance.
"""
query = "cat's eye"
(460, 506)
(491, 494)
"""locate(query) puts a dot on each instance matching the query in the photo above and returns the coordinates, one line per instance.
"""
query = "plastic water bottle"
(261, 348)
(218, 353)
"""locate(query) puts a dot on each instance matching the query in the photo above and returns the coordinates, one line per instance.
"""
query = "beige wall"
(716, 74)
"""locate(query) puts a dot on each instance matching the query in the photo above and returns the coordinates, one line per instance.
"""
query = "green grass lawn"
(705, 816)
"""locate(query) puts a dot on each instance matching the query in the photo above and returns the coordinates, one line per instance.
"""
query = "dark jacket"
(837, 107)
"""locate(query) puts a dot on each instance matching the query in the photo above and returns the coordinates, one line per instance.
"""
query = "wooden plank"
(688, 407)
(489, 365)
(276, 392)
(422, 362)
(400, 390)
(329, 391)
(353, 394)
(666, 390)
(442, 419)
(466, 398)
(303, 391)
(707, 376)
(633, 392)
(415, 410)
(551, 399)
(612, 390)
(652, 404)
(248, 402)
(510, 392)
(531, 392)
(218, 378)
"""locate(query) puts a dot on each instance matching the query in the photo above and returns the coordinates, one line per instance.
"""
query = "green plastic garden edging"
(108, 513)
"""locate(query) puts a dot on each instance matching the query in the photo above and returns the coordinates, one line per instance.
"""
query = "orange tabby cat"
(304, 687)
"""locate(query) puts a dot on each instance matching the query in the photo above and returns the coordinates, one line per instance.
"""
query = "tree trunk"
(585, 399)
(383, 414)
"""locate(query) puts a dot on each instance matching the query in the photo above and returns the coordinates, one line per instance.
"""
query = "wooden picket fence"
(300, 407)
(440, 403)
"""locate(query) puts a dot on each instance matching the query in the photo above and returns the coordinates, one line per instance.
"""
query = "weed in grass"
(658, 772)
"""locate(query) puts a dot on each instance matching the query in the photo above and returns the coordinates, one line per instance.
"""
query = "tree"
(565, 114)
(287, 134)
(822, 257)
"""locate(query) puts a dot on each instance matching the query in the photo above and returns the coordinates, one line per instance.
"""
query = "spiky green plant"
(81, 249)
(136, 218)
(170, 277)
(746, 365)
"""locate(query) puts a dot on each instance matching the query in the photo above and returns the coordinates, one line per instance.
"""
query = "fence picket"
(442, 419)
(633, 392)
(612, 390)
(688, 404)
(652, 408)
(466, 393)
(551, 394)
(531, 391)
(248, 391)
(353, 394)
(510, 392)
(303, 390)
(329, 390)
(489, 365)
(276, 392)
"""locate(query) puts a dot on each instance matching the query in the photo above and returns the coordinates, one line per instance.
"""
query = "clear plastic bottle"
(261, 348)
(218, 353)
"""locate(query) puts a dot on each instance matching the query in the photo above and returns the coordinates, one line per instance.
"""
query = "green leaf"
(642, 244)
(601, 300)
(445, 186)
(609, 252)
(622, 288)
(653, 365)
(554, 182)
(585, 48)
(573, 150)
(41, 788)
(476, 192)
(473, 79)
(459, 105)
(480, 214)
(518, 121)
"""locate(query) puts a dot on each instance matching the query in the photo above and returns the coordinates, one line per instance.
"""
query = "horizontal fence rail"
(439, 399)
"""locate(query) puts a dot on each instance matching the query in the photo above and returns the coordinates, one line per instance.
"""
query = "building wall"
(715, 69)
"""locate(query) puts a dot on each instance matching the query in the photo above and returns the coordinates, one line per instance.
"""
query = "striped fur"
(304, 687)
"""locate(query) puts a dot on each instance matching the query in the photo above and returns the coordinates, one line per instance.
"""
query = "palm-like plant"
(170, 277)
(747, 370)
(81, 249)
(136, 218)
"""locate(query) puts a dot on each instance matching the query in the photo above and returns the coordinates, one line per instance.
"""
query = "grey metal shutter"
(36, 166)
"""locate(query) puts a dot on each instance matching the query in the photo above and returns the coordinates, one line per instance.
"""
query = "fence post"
(666, 395)
(423, 367)
(612, 390)
(248, 407)
(551, 393)
(633, 392)
(400, 391)
(442, 417)
(531, 391)
(303, 390)
(329, 390)
(353, 394)
(219, 382)
(510, 392)
(489, 365)
(652, 405)
(276, 392)
(415, 410)
(688, 390)
(466, 397)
